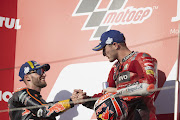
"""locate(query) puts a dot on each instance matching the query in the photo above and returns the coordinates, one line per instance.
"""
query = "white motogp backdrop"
(86, 76)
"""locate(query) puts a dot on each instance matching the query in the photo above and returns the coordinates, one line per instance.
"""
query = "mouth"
(42, 78)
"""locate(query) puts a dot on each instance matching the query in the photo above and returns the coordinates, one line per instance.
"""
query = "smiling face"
(110, 52)
(38, 80)
(35, 81)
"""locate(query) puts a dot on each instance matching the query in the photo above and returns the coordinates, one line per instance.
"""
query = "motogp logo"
(115, 13)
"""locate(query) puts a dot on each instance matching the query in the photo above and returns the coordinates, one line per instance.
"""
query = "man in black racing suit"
(27, 103)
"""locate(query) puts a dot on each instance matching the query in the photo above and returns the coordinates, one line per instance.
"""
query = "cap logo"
(26, 70)
(109, 41)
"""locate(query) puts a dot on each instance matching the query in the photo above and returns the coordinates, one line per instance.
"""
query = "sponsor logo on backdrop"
(101, 20)
(177, 18)
(9, 23)
(174, 31)
(4, 96)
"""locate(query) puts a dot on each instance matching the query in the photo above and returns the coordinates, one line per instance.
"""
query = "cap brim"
(46, 67)
(98, 48)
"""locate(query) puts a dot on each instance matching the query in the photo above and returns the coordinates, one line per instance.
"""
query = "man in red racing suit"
(27, 103)
(133, 77)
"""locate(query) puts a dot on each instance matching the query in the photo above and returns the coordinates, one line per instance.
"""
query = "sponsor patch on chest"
(123, 77)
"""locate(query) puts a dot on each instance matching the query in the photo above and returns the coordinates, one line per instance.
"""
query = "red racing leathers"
(31, 98)
(134, 77)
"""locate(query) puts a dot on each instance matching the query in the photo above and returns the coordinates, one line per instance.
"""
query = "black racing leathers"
(31, 98)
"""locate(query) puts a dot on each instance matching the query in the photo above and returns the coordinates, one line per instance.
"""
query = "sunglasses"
(38, 71)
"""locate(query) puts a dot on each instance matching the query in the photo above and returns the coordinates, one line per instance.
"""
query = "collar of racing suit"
(36, 93)
(128, 56)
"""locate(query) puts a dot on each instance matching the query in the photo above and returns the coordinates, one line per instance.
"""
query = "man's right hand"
(78, 96)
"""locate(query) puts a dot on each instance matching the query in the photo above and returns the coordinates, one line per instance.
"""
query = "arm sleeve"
(49, 110)
(146, 68)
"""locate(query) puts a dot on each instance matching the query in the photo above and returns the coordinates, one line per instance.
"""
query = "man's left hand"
(109, 90)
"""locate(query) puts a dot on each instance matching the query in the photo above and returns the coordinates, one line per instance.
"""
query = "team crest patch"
(126, 66)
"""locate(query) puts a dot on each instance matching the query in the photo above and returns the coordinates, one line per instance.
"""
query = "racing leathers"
(135, 78)
(27, 104)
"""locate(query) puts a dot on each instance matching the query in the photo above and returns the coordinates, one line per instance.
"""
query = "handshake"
(78, 96)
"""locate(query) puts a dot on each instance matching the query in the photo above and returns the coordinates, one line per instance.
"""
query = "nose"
(44, 74)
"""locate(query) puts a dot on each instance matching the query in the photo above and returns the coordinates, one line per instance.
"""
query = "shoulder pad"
(144, 55)
(19, 89)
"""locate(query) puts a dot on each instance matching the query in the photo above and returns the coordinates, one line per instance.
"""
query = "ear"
(26, 78)
(116, 45)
